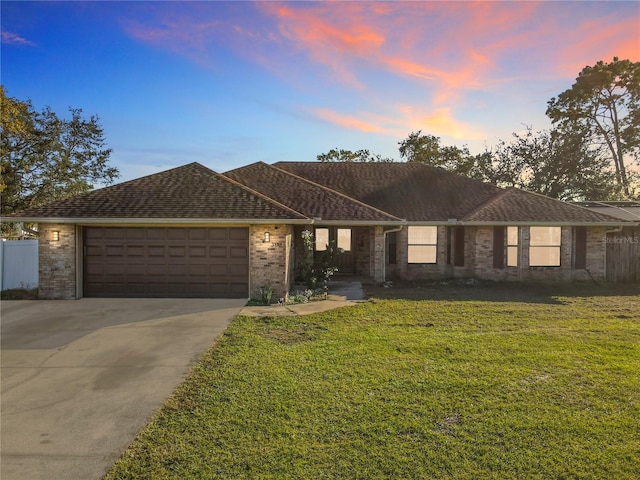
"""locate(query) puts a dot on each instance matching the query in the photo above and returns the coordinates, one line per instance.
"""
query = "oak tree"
(44, 158)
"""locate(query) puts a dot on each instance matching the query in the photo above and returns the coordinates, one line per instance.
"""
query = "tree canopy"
(44, 157)
(604, 105)
(341, 155)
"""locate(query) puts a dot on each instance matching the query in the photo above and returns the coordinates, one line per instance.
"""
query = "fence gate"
(18, 264)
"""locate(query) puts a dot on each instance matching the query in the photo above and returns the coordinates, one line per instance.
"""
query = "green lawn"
(472, 385)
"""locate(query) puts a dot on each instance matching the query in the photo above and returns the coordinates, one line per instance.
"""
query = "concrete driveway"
(81, 378)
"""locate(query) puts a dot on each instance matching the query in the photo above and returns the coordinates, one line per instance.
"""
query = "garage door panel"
(135, 251)
(238, 252)
(114, 250)
(156, 234)
(166, 262)
(177, 233)
(239, 234)
(218, 252)
(199, 251)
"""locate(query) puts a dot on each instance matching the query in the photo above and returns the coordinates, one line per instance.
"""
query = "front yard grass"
(538, 387)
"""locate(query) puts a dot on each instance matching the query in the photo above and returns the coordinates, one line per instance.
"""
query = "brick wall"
(595, 270)
(271, 263)
(596, 253)
(478, 258)
(57, 259)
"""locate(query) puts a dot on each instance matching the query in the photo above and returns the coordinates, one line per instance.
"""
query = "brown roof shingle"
(192, 191)
(515, 205)
(304, 196)
(413, 191)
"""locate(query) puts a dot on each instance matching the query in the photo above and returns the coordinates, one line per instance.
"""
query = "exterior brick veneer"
(595, 264)
(272, 262)
(57, 262)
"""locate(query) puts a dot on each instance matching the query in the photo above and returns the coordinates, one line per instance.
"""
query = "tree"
(44, 158)
(427, 149)
(604, 105)
(553, 163)
(340, 155)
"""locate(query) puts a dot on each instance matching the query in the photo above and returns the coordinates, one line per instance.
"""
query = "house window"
(322, 239)
(512, 246)
(544, 246)
(344, 239)
(423, 244)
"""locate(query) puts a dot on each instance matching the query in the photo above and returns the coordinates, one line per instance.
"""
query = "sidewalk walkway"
(342, 293)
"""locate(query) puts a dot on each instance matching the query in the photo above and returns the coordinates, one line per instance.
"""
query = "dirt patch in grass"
(293, 334)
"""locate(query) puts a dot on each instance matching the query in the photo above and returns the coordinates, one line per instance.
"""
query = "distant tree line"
(590, 153)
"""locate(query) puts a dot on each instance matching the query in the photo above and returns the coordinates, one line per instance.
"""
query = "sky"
(227, 84)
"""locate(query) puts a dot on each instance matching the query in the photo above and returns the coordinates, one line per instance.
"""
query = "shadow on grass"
(487, 291)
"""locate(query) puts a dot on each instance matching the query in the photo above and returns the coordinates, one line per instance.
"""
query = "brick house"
(192, 232)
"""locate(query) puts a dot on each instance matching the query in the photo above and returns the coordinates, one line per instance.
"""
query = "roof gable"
(192, 191)
(516, 205)
(310, 199)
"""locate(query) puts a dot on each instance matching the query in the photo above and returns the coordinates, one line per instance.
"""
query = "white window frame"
(421, 244)
(547, 244)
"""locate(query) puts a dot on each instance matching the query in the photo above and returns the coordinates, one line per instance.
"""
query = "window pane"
(344, 239)
(543, 236)
(512, 235)
(322, 238)
(544, 256)
(423, 235)
(422, 254)
(512, 256)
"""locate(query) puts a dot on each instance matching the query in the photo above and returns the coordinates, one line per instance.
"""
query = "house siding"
(58, 262)
(271, 263)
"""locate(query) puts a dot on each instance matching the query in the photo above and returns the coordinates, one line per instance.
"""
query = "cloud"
(350, 122)
(404, 118)
(11, 38)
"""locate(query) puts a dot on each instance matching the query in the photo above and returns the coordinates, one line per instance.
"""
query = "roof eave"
(150, 221)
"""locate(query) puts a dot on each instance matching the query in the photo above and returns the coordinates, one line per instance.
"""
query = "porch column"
(377, 255)
(57, 261)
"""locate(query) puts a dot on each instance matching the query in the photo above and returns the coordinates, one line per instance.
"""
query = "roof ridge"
(329, 189)
(261, 195)
(499, 194)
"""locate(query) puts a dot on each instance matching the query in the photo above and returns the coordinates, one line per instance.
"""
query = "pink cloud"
(347, 121)
(447, 49)
(11, 38)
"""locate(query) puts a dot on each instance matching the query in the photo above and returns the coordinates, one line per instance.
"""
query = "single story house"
(192, 232)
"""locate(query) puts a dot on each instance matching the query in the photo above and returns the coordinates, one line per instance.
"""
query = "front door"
(343, 239)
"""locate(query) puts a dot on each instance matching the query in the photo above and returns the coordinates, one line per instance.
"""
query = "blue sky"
(230, 83)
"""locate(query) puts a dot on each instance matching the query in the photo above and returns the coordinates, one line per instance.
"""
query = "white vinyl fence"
(18, 264)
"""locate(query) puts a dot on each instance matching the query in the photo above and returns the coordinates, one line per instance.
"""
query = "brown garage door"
(166, 262)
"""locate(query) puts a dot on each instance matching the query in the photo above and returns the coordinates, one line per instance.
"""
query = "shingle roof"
(304, 196)
(515, 205)
(301, 191)
(191, 192)
(413, 191)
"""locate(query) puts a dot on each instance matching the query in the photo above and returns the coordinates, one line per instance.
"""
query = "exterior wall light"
(267, 237)
(55, 235)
